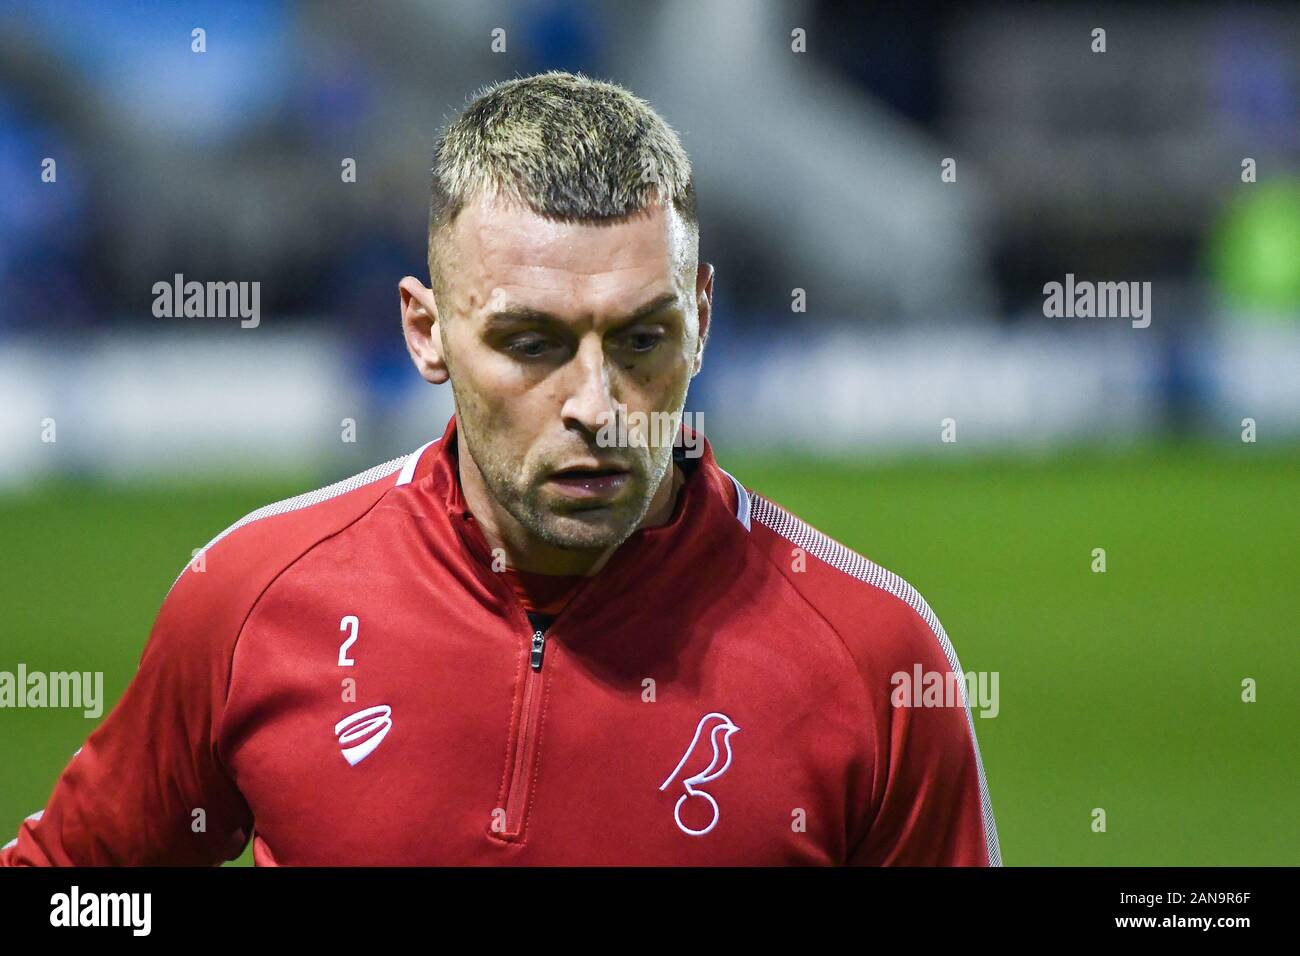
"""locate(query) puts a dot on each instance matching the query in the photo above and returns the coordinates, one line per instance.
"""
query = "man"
(556, 635)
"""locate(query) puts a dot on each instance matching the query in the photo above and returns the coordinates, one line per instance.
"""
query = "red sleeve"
(931, 807)
(132, 795)
(916, 794)
(150, 786)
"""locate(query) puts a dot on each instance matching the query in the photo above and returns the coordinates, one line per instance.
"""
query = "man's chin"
(588, 529)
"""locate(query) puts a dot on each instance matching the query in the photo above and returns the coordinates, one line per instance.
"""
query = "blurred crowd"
(1143, 142)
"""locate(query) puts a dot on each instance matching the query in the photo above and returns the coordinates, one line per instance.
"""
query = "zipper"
(524, 750)
(524, 754)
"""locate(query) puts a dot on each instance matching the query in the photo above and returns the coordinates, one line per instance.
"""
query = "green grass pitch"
(1119, 690)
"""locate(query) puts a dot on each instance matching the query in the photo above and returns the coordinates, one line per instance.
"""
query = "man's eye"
(643, 341)
(529, 347)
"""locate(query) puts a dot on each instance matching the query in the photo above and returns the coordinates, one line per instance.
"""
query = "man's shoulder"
(882, 619)
(224, 579)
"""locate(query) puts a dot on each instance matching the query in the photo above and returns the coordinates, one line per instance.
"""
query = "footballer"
(526, 643)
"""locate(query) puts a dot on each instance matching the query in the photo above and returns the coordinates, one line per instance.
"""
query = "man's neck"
(523, 550)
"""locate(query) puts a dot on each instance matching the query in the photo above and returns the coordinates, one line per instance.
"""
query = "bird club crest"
(709, 756)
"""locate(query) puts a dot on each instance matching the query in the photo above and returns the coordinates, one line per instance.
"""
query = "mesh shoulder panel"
(307, 499)
(811, 540)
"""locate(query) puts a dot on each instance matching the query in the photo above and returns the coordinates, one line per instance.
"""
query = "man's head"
(566, 294)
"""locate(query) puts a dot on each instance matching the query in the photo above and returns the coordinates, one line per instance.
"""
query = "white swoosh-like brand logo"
(717, 766)
(370, 726)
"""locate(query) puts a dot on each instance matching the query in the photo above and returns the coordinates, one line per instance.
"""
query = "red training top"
(346, 680)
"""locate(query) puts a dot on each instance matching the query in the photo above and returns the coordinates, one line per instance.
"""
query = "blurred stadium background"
(817, 171)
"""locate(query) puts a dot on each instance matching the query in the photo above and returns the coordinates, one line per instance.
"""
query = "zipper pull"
(539, 645)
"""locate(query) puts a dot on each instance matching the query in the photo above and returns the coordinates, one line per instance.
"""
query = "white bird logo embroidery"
(718, 764)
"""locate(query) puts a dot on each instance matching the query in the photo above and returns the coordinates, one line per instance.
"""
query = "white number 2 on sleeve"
(348, 623)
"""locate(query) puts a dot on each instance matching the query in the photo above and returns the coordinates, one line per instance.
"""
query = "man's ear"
(420, 328)
(704, 308)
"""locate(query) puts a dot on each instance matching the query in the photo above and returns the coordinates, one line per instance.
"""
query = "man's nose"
(590, 403)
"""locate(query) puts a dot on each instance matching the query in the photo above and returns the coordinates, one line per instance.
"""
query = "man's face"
(556, 334)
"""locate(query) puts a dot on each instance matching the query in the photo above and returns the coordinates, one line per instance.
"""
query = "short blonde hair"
(568, 147)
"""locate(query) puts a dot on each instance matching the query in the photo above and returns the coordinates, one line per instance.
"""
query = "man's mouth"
(588, 483)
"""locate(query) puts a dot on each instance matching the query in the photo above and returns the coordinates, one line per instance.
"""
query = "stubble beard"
(578, 526)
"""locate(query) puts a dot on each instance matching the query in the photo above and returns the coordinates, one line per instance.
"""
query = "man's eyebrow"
(517, 314)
